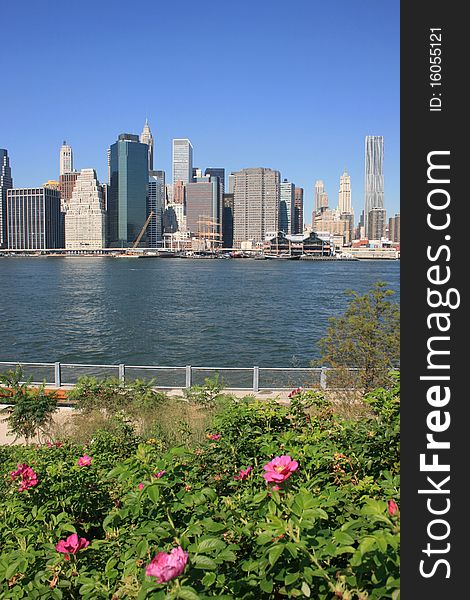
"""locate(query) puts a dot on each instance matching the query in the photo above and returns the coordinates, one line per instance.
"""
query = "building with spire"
(6, 183)
(66, 159)
(85, 219)
(344, 195)
(146, 137)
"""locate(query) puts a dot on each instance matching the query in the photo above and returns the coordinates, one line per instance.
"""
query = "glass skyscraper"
(6, 183)
(182, 161)
(128, 191)
(374, 176)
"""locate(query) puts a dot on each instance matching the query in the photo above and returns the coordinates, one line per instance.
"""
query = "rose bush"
(208, 521)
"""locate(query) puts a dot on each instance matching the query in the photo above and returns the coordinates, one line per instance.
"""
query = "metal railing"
(255, 379)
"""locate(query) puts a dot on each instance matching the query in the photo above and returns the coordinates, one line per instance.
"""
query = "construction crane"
(142, 231)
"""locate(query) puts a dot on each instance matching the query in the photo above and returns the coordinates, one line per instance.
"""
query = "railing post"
(323, 378)
(122, 373)
(57, 374)
(256, 379)
(188, 376)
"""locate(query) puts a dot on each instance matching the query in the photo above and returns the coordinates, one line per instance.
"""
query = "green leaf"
(343, 538)
(366, 545)
(266, 585)
(210, 544)
(257, 498)
(274, 553)
(227, 555)
(12, 569)
(305, 589)
(199, 561)
(209, 578)
(291, 578)
(187, 593)
(153, 492)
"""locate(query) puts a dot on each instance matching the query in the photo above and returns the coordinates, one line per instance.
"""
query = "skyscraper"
(182, 160)
(85, 219)
(35, 221)
(299, 210)
(374, 176)
(66, 159)
(6, 183)
(344, 196)
(394, 228)
(156, 204)
(256, 205)
(203, 210)
(128, 192)
(286, 206)
(377, 223)
(146, 137)
(321, 197)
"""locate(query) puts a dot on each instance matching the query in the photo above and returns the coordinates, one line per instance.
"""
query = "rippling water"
(175, 311)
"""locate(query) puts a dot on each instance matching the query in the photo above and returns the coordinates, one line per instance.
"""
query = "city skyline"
(345, 81)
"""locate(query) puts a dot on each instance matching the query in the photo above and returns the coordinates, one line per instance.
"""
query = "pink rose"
(243, 474)
(280, 469)
(71, 545)
(214, 436)
(167, 566)
(294, 392)
(159, 474)
(392, 508)
(84, 461)
(28, 477)
(141, 486)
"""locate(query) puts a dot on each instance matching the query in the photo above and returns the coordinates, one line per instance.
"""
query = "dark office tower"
(227, 221)
(394, 228)
(6, 183)
(220, 175)
(202, 210)
(299, 210)
(377, 222)
(374, 176)
(128, 192)
(35, 221)
(156, 205)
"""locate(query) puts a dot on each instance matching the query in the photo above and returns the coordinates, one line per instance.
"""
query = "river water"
(175, 312)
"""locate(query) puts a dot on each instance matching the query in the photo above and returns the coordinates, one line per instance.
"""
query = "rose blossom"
(214, 436)
(392, 508)
(28, 477)
(294, 392)
(167, 566)
(243, 474)
(159, 474)
(84, 461)
(141, 486)
(280, 469)
(71, 545)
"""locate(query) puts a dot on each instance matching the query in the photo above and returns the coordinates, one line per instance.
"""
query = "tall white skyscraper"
(66, 159)
(182, 160)
(374, 175)
(344, 196)
(85, 219)
(146, 137)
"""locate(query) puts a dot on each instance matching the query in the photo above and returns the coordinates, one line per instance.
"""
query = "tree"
(30, 410)
(366, 336)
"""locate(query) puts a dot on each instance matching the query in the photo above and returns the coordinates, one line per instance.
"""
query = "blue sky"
(294, 86)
